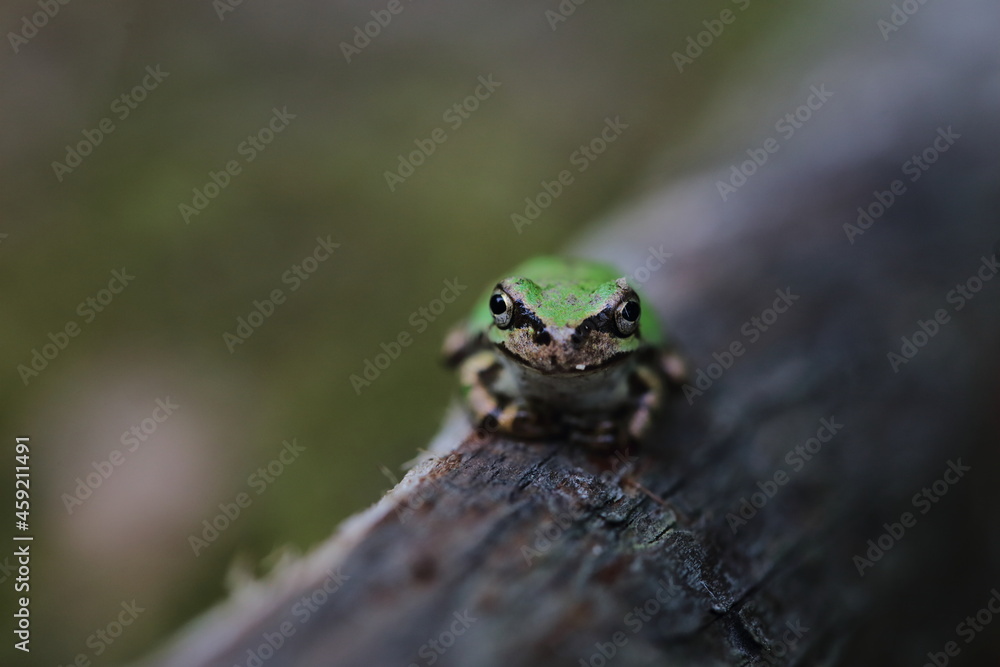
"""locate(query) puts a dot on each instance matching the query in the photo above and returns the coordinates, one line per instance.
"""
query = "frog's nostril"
(543, 338)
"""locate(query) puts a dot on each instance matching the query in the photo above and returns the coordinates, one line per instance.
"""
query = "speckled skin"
(566, 363)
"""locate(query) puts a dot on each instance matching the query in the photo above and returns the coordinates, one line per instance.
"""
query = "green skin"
(565, 357)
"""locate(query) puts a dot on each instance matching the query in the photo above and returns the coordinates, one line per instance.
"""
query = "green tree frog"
(561, 347)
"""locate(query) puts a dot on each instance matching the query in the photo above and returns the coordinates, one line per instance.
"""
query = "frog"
(562, 347)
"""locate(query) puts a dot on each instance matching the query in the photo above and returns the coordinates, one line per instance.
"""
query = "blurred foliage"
(322, 176)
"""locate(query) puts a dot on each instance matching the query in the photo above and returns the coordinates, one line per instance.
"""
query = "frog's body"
(561, 347)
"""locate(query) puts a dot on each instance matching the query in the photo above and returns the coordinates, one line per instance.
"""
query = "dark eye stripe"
(604, 322)
(524, 318)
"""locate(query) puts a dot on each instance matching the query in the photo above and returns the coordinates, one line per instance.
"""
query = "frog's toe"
(674, 367)
(640, 424)
(523, 423)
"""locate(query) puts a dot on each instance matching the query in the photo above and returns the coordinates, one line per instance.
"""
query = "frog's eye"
(502, 308)
(627, 316)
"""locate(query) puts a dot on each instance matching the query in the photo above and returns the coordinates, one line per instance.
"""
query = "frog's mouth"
(551, 364)
(573, 388)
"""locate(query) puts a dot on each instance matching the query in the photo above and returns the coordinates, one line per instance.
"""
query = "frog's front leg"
(480, 375)
(674, 368)
(650, 386)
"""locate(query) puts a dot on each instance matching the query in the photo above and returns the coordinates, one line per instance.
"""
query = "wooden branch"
(735, 537)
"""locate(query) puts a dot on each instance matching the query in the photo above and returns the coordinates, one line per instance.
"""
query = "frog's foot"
(649, 390)
(476, 375)
(606, 435)
(674, 368)
(518, 420)
(493, 411)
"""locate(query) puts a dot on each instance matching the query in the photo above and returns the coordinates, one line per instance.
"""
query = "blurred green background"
(322, 176)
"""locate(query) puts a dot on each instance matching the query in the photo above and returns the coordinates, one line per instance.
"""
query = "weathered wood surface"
(507, 553)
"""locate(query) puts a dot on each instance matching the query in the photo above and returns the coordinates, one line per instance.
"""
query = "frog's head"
(565, 317)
